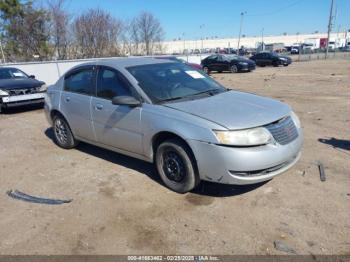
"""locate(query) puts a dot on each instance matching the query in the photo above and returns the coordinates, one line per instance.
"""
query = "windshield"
(173, 81)
(9, 73)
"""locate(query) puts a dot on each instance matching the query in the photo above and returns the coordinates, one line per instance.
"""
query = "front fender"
(156, 119)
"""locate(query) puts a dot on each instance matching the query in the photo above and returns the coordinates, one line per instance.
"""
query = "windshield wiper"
(172, 99)
(211, 92)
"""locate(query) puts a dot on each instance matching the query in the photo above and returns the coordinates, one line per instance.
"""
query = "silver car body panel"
(235, 110)
(131, 131)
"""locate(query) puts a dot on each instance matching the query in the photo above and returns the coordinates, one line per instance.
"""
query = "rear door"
(76, 99)
(222, 64)
(115, 125)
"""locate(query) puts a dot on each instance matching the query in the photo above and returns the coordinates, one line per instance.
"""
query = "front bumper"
(12, 101)
(244, 68)
(249, 165)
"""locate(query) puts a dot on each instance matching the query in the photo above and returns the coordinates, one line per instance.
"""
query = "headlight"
(295, 119)
(248, 137)
(283, 59)
(3, 93)
(243, 63)
(43, 88)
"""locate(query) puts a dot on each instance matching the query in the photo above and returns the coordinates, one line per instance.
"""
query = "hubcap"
(234, 69)
(61, 131)
(173, 166)
(206, 70)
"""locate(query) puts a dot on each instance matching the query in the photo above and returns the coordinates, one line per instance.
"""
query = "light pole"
(262, 40)
(2, 53)
(183, 37)
(200, 28)
(240, 29)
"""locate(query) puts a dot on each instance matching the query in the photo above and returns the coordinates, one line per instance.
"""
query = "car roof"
(125, 62)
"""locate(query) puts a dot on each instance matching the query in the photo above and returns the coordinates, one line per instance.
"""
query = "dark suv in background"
(271, 58)
(230, 63)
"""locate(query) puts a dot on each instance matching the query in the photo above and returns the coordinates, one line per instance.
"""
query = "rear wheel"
(62, 134)
(176, 166)
(234, 69)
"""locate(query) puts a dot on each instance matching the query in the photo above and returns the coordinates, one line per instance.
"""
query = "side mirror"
(32, 76)
(126, 100)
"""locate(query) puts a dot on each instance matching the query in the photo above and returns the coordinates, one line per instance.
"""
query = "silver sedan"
(177, 117)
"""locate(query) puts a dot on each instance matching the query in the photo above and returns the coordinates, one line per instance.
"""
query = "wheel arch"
(162, 136)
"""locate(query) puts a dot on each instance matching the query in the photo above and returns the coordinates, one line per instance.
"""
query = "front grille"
(25, 91)
(283, 131)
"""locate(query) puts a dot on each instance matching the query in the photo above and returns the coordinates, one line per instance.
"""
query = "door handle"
(67, 99)
(98, 107)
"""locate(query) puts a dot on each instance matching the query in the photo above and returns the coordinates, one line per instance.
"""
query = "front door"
(115, 125)
(76, 99)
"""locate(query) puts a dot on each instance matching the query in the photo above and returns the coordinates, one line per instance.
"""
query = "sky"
(194, 19)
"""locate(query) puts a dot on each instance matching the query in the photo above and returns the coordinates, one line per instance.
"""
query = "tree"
(97, 34)
(148, 30)
(24, 30)
(59, 25)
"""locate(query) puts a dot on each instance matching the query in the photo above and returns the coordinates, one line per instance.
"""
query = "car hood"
(6, 84)
(286, 57)
(235, 110)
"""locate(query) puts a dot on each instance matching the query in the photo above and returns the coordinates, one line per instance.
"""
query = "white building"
(179, 46)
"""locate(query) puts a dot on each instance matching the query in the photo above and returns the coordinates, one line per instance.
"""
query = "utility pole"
(329, 27)
(240, 30)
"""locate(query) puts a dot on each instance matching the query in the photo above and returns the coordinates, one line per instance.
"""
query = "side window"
(80, 82)
(111, 83)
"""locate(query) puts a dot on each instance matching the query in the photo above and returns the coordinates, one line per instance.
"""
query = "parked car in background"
(179, 118)
(295, 50)
(331, 46)
(346, 48)
(271, 58)
(174, 58)
(17, 88)
(230, 63)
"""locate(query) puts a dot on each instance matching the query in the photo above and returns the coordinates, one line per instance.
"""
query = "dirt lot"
(120, 206)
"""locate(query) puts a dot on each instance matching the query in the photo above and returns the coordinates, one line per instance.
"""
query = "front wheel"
(206, 70)
(176, 166)
(63, 136)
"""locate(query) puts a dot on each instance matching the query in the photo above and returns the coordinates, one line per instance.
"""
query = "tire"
(176, 166)
(285, 65)
(234, 69)
(63, 135)
(206, 70)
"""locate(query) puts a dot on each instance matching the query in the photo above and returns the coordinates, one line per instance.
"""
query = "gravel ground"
(120, 206)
